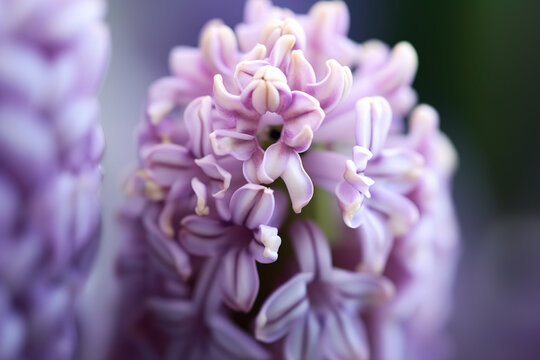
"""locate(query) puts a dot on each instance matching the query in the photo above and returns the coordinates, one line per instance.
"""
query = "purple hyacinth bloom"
(52, 58)
(272, 108)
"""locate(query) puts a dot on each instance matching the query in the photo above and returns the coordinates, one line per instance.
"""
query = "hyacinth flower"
(256, 130)
(52, 58)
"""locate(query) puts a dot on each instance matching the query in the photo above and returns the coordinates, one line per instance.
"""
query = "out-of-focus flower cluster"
(52, 57)
(284, 133)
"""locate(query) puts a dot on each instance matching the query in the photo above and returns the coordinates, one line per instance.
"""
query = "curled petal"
(274, 30)
(230, 142)
(283, 308)
(199, 125)
(345, 337)
(210, 166)
(362, 288)
(304, 340)
(280, 160)
(399, 71)
(301, 119)
(199, 188)
(166, 163)
(268, 237)
(374, 116)
(267, 91)
(203, 236)
(358, 180)
(240, 280)
(219, 47)
(252, 205)
(279, 56)
(225, 101)
(311, 249)
(300, 72)
(246, 70)
(335, 86)
(351, 203)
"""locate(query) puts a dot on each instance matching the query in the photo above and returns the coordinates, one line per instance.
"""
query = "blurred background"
(478, 65)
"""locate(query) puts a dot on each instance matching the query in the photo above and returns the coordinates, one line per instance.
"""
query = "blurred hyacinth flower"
(52, 58)
(256, 133)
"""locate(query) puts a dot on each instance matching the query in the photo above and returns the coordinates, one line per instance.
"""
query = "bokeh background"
(478, 65)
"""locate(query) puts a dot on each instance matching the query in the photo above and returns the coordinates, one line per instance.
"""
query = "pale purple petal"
(374, 116)
(333, 87)
(304, 340)
(362, 288)
(239, 279)
(231, 142)
(283, 308)
(268, 239)
(203, 236)
(345, 337)
(197, 118)
(301, 119)
(166, 163)
(218, 47)
(311, 249)
(252, 205)
(300, 72)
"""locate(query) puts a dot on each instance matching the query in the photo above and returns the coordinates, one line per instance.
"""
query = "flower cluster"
(256, 130)
(52, 58)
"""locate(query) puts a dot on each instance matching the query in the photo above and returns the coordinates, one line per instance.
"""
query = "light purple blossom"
(52, 58)
(272, 106)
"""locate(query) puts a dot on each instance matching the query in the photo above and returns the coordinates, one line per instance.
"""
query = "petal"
(304, 340)
(252, 205)
(167, 163)
(398, 71)
(298, 183)
(345, 337)
(300, 72)
(267, 91)
(240, 280)
(246, 70)
(311, 249)
(325, 168)
(274, 30)
(376, 241)
(398, 169)
(283, 309)
(230, 142)
(233, 343)
(362, 288)
(201, 193)
(374, 116)
(203, 236)
(219, 47)
(335, 86)
(268, 237)
(351, 203)
(226, 102)
(168, 251)
(283, 46)
(199, 125)
(402, 212)
(303, 112)
(210, 166)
